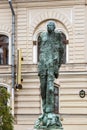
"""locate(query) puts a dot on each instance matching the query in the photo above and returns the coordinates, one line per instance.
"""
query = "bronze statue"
(50, 59)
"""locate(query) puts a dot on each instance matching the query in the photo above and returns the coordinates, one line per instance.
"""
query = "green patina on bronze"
(50, 59)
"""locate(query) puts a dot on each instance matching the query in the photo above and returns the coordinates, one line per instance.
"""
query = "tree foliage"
(6, 118)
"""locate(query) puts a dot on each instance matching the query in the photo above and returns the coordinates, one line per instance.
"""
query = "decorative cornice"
(4, 29)
(41, 3)
(62, 2)
(47, 16)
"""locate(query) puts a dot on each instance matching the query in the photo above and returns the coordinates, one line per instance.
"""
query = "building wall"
(31, 18)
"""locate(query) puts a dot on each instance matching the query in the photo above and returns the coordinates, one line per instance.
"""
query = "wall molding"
(5, 30)
(57, 16)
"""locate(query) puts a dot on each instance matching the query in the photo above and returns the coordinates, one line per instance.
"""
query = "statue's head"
(51, 26)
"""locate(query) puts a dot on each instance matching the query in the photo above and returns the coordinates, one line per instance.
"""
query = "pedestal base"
(48, 121)
(50, 129)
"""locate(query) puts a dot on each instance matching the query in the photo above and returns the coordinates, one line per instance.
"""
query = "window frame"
(9, 46)
(8, 90)
(35, 46)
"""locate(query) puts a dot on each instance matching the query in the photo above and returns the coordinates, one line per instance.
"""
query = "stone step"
(31, 80)
(27, 98)
(31, 92)
(31, 85)
(23, 127)
(27, 110)
(27, 119)
(27, 104)
(26, 122)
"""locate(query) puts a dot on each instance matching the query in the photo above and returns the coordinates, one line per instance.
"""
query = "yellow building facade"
(31, 17)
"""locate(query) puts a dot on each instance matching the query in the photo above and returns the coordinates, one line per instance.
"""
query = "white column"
(34, 54)
(67, 53)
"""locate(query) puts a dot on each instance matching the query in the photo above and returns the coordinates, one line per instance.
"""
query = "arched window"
(4, 42)
(65, 42)
(3, 98)
(6, 88)
(36, 49)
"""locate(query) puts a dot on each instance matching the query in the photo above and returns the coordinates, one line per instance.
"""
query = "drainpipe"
(13, 53)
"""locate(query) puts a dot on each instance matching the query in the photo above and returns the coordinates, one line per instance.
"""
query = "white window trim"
(8, 90)
(9, 60)
(9, 46)
(35, 47)
(35, 54)
(67, 53)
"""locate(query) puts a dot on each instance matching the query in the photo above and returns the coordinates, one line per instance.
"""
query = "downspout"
(13, 53)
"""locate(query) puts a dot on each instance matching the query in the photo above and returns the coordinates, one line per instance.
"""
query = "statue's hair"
(51, 21)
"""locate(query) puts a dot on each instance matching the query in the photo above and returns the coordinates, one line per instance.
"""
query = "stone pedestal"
(48, 121)
(50, 129)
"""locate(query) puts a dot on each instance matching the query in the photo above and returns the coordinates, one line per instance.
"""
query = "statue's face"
(51, 27)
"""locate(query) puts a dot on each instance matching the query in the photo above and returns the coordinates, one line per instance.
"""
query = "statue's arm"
(39, 45)
(61, 49)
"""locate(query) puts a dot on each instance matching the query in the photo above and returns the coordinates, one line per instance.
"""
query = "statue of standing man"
(50, 59)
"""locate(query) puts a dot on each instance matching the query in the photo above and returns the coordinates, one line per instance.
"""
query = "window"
(3, 96)
(36, 49)
(65, 42)
(56, 98)
(4, 42)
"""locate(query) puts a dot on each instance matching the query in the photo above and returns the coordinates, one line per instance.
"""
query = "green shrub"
(6, 118)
